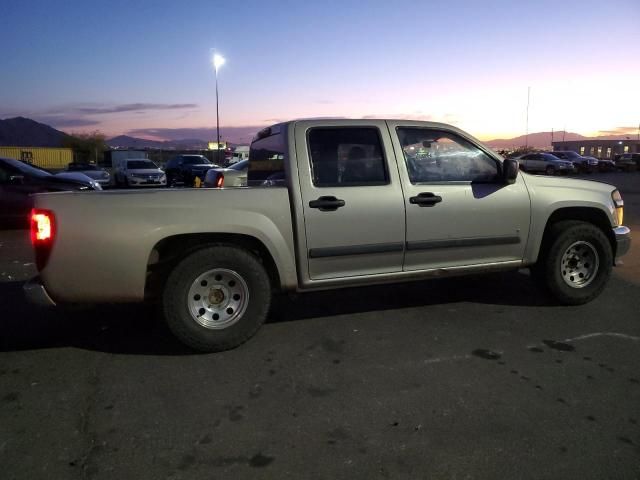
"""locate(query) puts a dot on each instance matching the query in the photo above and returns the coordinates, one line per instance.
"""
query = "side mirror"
(16, 179)
(510, 170)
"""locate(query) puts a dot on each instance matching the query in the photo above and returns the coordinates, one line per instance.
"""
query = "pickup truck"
(357, 202)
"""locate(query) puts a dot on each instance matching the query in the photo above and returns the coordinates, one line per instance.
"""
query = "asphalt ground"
(479, 377)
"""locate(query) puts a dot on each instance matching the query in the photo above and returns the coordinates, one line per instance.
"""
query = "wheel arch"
(592, 215)
(167, 252)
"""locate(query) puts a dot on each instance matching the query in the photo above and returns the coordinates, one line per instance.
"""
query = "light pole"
(218, 61)
(526, 138)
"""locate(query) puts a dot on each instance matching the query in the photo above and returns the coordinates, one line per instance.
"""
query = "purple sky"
(143, 68)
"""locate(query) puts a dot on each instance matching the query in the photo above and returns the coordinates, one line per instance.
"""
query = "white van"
(240, 153)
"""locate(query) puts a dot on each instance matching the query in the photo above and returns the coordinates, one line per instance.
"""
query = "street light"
(218, 60)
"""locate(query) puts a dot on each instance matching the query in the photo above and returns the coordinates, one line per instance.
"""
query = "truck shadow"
(135, 329)
(508, 289)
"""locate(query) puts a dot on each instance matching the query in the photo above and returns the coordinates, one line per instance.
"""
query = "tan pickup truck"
(329, 204)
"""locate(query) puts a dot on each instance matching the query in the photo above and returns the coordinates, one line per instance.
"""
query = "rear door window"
(347, 157)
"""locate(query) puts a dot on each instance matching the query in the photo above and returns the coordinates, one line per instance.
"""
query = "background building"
(599, 148)
(54, 158)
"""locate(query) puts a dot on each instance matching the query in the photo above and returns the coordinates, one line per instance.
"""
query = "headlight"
(619, 211)
(617, 198)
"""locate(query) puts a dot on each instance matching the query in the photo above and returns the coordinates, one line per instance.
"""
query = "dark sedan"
(183, 169)
(582, 163)
(627, 161)
(18, 180)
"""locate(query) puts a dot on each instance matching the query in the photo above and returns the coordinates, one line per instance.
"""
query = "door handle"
(327, 204)
(425, 199)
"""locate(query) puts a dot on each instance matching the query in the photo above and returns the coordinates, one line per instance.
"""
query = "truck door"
(353, 206)
(459, 211)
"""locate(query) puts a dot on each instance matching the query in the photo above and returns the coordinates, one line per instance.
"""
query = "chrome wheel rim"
(218, 298)
(579, 264)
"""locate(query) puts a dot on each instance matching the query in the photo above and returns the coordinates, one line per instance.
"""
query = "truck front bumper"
(37, 294)
(623, 240)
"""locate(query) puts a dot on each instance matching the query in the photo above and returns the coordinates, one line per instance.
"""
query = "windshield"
(80, 166)
(141, 164)
(28, 169)
(243, 165)
(569, 154)
(195, 160)
(549, 157)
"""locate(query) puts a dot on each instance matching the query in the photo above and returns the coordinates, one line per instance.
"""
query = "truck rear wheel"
(216, 298)
(577, 263)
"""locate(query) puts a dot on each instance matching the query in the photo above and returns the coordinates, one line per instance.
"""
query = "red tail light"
(43, 232)
(220, 180)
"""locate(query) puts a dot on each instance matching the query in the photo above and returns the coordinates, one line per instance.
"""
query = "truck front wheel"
(577, 263)
(216, 298)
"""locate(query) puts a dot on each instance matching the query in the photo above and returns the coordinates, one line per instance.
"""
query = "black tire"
(550, 170)
(549, 271)
(176, 296)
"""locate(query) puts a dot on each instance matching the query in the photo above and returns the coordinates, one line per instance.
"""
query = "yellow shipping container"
(54, 158)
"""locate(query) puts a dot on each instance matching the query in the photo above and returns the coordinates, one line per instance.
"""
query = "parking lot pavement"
(480, 377)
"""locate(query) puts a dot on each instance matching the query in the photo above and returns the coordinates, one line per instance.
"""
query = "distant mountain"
(24, 132)
(535, 140)
(125, 141)
(625, 136)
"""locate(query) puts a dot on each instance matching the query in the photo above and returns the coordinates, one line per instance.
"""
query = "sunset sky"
(143, 68)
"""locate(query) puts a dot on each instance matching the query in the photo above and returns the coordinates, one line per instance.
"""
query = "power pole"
(217, 161)
(551, 138)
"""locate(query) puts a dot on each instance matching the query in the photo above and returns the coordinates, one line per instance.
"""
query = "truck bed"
(105, 239)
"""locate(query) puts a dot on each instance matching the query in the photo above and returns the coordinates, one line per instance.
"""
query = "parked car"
(277, 179)
(139, 173)
(100, 175)
(18, 180)
(363, 202)
(234, 176)
(627, 161)
(111, 159)
(183, 169)
(582, 164)
(545, 163)
(605, 165)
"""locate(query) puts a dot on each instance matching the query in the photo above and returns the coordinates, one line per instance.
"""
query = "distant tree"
(522, 150)
(87, 147)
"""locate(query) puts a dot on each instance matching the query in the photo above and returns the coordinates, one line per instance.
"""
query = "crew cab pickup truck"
(356, 202)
